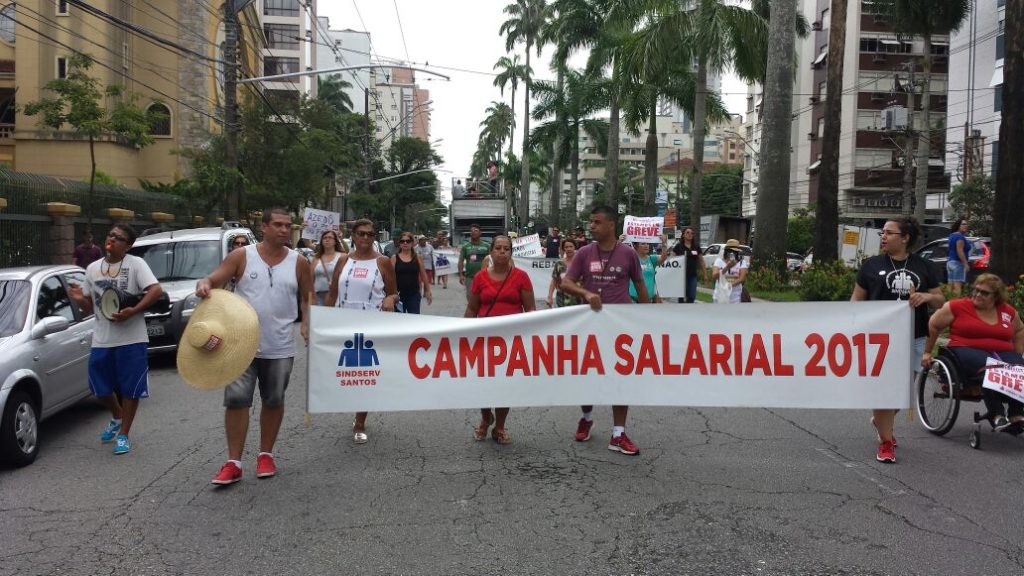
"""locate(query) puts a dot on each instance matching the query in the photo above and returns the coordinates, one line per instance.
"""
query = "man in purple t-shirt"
(86, 253)
(604, 269)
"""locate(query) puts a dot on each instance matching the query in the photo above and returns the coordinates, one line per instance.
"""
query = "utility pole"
(908, 146)
(231, 105)
(366, 128)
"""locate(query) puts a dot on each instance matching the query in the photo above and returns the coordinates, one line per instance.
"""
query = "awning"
(997, 78)
(936, 162)
(814, 166)
(940, 43)
(888, 42)
(821, 58)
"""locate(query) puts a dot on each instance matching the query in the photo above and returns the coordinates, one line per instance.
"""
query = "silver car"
(44, 354)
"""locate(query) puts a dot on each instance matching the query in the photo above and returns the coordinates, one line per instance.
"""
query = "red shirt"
(970, 331)
(509, 301)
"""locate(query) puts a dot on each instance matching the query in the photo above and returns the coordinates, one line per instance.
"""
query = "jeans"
(971, 361)
(411, 302)
(691, 291)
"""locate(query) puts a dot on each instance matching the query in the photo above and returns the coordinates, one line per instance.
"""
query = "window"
(281, 8)
(159, 120)
(62, 7)
(14, 303)
(997, 95)
(868, 120)
(940, 49)
(62, 67)
(995, 159)
(1000, 46)
(53, 300)
(77, 278)
(273, 65)
(282, 36)
(7, 24)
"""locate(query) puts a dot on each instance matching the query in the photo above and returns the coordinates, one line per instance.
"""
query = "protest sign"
(527, 247)
(643, 229)
(445, 260)
(1006, 379)
(316, 222)
(849, 355)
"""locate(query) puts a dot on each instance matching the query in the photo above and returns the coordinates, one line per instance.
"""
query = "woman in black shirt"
(410, 275)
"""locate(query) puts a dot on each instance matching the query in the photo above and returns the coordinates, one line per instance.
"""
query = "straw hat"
(732, 243)
(219, 342)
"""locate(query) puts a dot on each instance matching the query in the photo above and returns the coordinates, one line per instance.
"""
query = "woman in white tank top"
(363, 279)
(327, 252)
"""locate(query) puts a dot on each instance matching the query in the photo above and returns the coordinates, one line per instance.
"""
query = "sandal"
(480, 432)
(501, 436)
(358, 436)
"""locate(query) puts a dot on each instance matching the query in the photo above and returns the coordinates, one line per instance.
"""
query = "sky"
(457, 38)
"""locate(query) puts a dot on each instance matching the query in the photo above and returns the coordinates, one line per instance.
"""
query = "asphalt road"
(714, 491)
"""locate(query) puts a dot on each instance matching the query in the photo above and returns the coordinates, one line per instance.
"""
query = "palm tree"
(331, 89)
(925, 18)
(1008, 205)
(826, 244)
(496, 127)
(511, 73)
(526, 18)
(718, 36)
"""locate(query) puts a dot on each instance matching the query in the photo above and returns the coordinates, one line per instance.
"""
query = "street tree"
(94, 111)
(773, 195)
(525, 20)
(924, 19)
(974, 200)
(826, 246)
(331, 89)
(511, 73)
(1007, 233)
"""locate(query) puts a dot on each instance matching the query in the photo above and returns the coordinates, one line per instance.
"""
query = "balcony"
(6, 131)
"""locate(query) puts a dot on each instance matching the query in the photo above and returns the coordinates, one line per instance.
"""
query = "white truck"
(487, 211)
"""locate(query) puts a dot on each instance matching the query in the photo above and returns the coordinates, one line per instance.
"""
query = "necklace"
(109, 266)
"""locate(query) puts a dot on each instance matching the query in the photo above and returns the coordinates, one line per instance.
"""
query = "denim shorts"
(955, 271)
(271, 374)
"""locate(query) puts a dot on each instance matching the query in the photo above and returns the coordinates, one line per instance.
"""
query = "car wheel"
(19, 430)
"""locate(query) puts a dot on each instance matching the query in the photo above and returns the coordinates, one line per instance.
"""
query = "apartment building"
(290, 30)
(37, 38)
(337, 48)
(976, 103)
(399, 107)
(877, 71)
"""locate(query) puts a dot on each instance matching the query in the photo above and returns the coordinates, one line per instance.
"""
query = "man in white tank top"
(271, 278)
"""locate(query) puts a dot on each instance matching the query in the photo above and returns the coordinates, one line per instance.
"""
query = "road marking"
(858, 469)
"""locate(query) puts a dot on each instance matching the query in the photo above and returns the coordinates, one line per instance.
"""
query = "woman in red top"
(980, 327)
(499, 290)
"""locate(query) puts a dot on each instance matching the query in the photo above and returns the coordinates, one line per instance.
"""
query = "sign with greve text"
(782, 355)
(1007, 379)
(645, 229)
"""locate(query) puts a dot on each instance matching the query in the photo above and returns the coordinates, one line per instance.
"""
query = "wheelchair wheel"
(938, 397)
(975, 439)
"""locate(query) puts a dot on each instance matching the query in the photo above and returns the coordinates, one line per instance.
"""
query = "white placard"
(1007, 379)
(444, 261)
(539, 270)
(527, 247)
(316, 222)
(670, 277)
(645, 229)
(849, 355)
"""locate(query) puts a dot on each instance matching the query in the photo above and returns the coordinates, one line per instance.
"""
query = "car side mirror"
(49, 325)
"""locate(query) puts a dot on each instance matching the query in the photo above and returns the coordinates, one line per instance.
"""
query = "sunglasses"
(364, 234)
(405, 241)
(117, 237)
(240, 243)
(980, 292)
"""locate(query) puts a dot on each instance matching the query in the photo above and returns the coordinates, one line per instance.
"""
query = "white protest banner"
(849, 355)
(527, 247)
(645, 229)
(444, 261)
(316, 222)
(539, 270)
(1006, 379)
(670, 277)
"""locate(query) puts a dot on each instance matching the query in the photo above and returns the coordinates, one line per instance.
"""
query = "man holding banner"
(604, 270)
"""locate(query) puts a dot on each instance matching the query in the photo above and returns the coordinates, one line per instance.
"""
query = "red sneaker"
(229, 474)
(886, 452)
(583, 430)
(265, 467)
(623, 444)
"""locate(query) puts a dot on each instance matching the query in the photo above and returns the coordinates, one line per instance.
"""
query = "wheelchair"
(941, 388)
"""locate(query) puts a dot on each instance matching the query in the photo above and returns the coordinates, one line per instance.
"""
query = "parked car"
(712, 252)
(44, 354)
(978, 252)
(794, 261)
(178, 259)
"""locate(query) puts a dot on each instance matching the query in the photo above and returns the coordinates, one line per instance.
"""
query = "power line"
(401, 30)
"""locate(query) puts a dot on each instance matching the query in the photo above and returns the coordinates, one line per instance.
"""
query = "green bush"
(766, 279)
(828, 282)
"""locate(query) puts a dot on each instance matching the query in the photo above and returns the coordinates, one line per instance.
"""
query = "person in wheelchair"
(980, 326)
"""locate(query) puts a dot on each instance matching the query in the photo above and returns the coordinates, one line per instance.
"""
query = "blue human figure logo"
(358, 352)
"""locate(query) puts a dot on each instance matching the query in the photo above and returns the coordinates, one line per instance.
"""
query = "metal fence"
(25, 223)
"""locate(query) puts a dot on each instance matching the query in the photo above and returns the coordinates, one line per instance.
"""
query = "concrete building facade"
(336, 48)
(399, 107)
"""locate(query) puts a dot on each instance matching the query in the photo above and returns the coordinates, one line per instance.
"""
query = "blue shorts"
(955, 271)
(122, 369)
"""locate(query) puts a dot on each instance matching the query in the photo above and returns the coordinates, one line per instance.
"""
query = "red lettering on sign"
(757, 358)
(694, 357)
(496, 353)
(667, 367)
(543, 354)
(444, 362)
(648, 357)
(625, 364)
(780, 367)
(417, 370)
(471, 355)
(719, 351)
(591, 357)
(517, 359)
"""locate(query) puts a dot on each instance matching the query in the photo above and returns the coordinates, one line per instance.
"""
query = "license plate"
(155, 330)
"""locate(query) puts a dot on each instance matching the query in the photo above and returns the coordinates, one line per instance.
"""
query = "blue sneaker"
(110, 432)
(122, 446)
